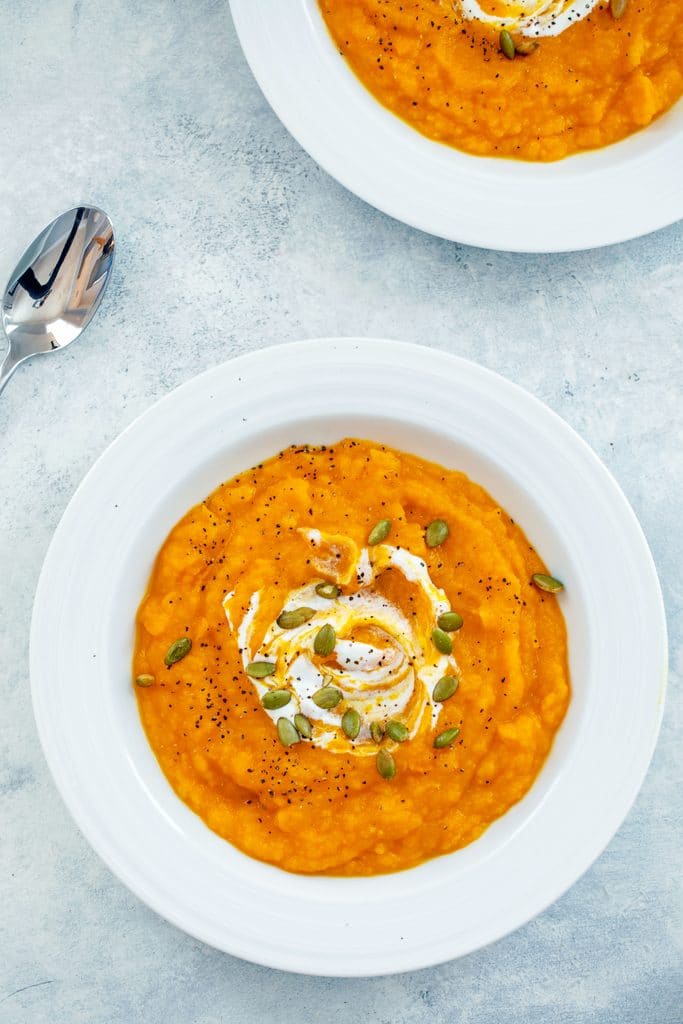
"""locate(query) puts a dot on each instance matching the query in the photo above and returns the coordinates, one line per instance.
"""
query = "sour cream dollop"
(384, 661)
(528, 17)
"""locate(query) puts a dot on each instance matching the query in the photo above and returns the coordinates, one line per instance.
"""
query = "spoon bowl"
(57, 286)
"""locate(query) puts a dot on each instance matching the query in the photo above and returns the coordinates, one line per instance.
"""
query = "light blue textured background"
(230, 238)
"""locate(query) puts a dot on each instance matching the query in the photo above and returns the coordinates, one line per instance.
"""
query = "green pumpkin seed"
(327, 697)
(507, 44)
(294, 617)
(444, 739)
(436, 533)
(351, 723)
(386, 766)
(328, 590)
(325, 639)
(445, 688)
(450, 622)
(144, 680)
(178, 650)
(275, 699)
(618, 8)
(379, 532)
(304, 727)
(397, 731)
(260, 669)
(547, 583)
(287, 734)
(442, 641)
(376, 732)
(525, 47)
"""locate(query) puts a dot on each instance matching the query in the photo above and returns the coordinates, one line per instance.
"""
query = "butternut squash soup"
(349, 660)
(531, 79)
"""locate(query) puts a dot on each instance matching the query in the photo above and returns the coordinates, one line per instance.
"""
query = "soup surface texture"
(307, 739)
(597, 81)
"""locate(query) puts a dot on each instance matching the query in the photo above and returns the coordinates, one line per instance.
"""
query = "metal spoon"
(57, 286)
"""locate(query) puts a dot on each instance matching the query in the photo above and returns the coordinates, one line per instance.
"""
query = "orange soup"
(442, 69)
(346, 662)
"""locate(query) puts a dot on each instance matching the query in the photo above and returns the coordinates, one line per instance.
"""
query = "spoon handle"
(8, 366)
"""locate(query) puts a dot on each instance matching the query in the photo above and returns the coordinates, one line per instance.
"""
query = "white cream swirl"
(384, 661)
(532, 18)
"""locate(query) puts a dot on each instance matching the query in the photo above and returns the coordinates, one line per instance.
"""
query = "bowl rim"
(44, 633)
(570, 205)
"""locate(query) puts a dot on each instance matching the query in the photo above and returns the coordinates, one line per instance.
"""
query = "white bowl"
(227, 419)
(592, 199)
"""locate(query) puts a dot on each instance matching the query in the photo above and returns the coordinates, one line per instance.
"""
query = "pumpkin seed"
(328, 590)
(304, 727)
(436, 533)
(379, 532)
(507, 44)
(294, 617)
(444, 739)
(386, 766)
(275, 699)
(351, 723)
(547, 583)
(618, 8)
(287, 734)
(442, 641)
(445, 688)
(144, 680)
(525, 47)
(178, 650)
(327, 697)
(260, 669)
(451, 622)
(397, 731)
(376, 732)
(325, 639)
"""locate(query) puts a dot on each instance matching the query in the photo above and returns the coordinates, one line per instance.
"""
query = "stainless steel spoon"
(57, 286)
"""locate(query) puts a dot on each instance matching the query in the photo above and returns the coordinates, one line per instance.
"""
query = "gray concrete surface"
(230, 238)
